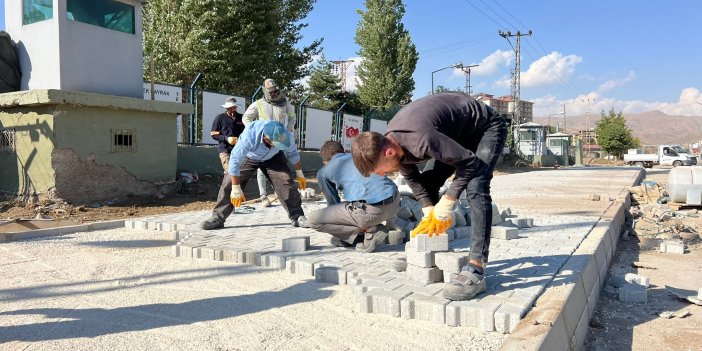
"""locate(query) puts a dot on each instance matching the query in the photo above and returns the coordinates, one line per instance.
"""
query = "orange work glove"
(301, 179)
(237, 195)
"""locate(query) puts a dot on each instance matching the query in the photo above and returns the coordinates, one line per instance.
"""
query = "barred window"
(108, 14)
(123, 140)
(7, 140)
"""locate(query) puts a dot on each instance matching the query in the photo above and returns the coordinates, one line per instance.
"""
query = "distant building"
(505, 106)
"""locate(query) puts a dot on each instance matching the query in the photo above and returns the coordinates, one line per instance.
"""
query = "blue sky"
(634, 56)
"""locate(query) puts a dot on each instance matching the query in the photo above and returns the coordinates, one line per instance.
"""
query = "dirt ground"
(620, 325)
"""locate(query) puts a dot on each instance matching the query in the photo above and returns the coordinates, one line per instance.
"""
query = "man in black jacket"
(463, 136)
(226, 129)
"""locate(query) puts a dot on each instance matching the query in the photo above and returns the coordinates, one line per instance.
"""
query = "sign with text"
(168, 93)
(318, 127)
(351, 128)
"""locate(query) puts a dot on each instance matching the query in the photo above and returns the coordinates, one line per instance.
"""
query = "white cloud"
(547, 70)
(490, 64)
(613, 83)
(688, 104)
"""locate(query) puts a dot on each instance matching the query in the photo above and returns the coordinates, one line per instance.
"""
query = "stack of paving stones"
(518, 271)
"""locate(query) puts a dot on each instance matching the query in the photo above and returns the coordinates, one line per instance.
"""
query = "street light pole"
(468, 86)
(455, 65)
(549, 119)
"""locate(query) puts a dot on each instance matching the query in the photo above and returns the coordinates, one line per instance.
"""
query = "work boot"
(265, 202)
(372, 240)
(466, 285)
(212, 223)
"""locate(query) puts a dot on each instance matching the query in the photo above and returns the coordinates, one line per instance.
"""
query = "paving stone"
(503, 232)
(424, 307)
(637, 279)
(451, 262)
(496, 217)
(424, 275)
(329, 274)
(633, 293)
(517, 222)
(424, 243)
(396, 237)
(382, 302)
(506, 212)
(421, 259)
(672, 246)
(274, 260)
(472, 313)
(459, 216)
(699, 294)
(508, 316)
(175, 251)
(592, 197)
(296, 244)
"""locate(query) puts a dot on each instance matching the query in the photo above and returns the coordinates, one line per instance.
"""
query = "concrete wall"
(63, 54)
(65, 145)
(37, 47)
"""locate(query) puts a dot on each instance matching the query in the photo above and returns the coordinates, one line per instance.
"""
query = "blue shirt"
(341, 174)
(250, 145)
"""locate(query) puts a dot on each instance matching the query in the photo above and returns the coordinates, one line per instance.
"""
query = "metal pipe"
(338, 122)
(193, 116)
(302, 122)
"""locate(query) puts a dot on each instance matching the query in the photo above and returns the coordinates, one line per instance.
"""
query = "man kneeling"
(369, 201)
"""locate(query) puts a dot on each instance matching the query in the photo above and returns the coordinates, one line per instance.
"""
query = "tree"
(613, 135)
(389, 56)
(324, 87)
(235, 44)
(441, 89)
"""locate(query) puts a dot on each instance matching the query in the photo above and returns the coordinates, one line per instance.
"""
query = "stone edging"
(560, 317)
(38, 233)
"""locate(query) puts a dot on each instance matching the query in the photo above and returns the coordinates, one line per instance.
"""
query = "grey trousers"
(346, 220)
(262, 184)
(277, 171)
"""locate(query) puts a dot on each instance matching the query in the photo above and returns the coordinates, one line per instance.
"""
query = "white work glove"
(237, 195)
(301, 179)
(232, 140)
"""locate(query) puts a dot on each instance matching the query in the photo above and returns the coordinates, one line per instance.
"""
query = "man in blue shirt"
(263, 145)
(369, 201)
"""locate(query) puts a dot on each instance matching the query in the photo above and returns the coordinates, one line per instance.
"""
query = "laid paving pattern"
(518, 271)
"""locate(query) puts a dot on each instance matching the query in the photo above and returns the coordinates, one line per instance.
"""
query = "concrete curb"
(560, 317)
(38, 233)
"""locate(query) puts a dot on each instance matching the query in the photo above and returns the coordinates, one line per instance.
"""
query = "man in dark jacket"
(226, 129)
(463, 136)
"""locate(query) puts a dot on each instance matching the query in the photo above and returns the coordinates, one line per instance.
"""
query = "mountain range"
(652, 127)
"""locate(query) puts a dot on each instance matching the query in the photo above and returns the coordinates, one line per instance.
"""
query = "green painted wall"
(29, 169)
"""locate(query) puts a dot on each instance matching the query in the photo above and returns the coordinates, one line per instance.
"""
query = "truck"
(668, 155)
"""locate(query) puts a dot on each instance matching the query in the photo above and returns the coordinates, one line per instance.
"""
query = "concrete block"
(637, 279)
(451, 262)
(699, 294)
(421, 259)
(508, 316)
(329, 274)
(296, 244)
(504, 233)
(517, 222)
(459, 216)
(506, 212)
(472, 313)
(633, 293)
(424, 307)
(592, 197)
(305, 266)
(423, 275)
(396, 237)
(230, 256)
(448, 276)
(424, 243)
(496, 217)
(274, 260)
(672, 246)
(382, 302)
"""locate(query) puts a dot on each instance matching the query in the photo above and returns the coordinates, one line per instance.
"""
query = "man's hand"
(237, 195)
(301, 179)
(423, 225)
(232, 140)
(439, 218)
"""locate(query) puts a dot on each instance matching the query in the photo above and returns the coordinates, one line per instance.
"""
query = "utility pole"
(339, 67)
(589, 133)
(516, 80)
(565, 121)
(466, 69)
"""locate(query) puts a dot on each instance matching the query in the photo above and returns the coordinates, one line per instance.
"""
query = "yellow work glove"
(232, 140)
(301, 179)
(443, 215)
(423, 225)
(237, 195)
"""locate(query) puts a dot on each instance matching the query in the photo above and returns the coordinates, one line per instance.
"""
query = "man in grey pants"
(263, 145)
(369, 201)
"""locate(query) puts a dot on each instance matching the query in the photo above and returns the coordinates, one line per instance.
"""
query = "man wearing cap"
(226, 129)
(264, 145)
(369, 201)
(273, 106)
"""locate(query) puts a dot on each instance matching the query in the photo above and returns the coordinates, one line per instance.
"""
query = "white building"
(78, 45)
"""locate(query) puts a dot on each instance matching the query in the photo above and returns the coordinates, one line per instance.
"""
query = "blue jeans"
(487, 147)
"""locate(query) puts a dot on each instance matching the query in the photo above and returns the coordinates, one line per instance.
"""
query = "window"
(527, 135)
(7, 141)
(104, 13)
(37, 10)
(556, 142)
(123, 140)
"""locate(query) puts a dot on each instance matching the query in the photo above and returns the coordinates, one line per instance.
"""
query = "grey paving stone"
(637, 279)
(424, 307)
(396, 237)
(503, 233)
(329, 274)
(424, 275)
(424, 243)
(508, 316)
(473, 314)
(421, 259)
(451, 262)
(382, 302)
(296, 244)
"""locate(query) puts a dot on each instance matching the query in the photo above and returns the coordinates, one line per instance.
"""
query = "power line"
(496, 13)
(507, 12)
(484, 14)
